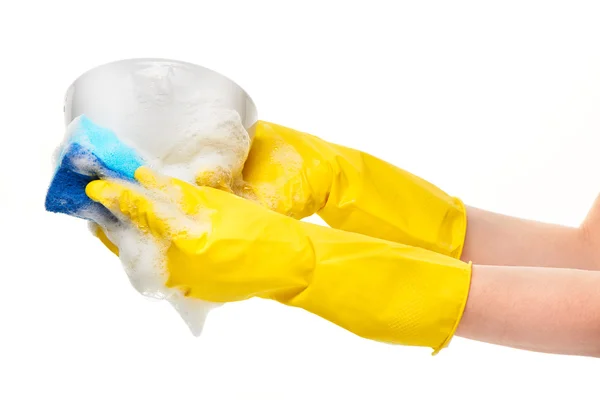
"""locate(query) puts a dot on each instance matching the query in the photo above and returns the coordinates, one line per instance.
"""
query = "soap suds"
(144, 261)
(143, 256)
(211, 149)
(206, 145)
(206, 142)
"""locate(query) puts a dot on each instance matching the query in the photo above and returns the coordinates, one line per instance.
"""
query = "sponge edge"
(89, 152)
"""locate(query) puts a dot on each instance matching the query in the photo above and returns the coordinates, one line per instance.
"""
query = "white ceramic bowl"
(138, 98)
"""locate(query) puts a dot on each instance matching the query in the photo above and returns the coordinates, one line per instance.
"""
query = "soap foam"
(213, 141)
(205, 135)
(144, 261)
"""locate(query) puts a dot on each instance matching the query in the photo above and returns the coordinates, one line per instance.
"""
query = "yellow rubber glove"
(297, 174)
(222, 248)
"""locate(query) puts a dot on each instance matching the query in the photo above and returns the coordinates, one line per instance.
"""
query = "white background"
(495, 102)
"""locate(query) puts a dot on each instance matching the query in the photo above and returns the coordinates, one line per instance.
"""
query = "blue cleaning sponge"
(89, 153)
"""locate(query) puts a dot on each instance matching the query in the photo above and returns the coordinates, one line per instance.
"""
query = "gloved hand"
(222, 248)
(297, 174)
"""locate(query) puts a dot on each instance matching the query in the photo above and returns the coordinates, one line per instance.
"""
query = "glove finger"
(188, 198)
(125, 201)
(100, 234)
(218, 178)
(178, 192)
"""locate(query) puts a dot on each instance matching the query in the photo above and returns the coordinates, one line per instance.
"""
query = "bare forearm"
(538, 309)
(495, 239)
